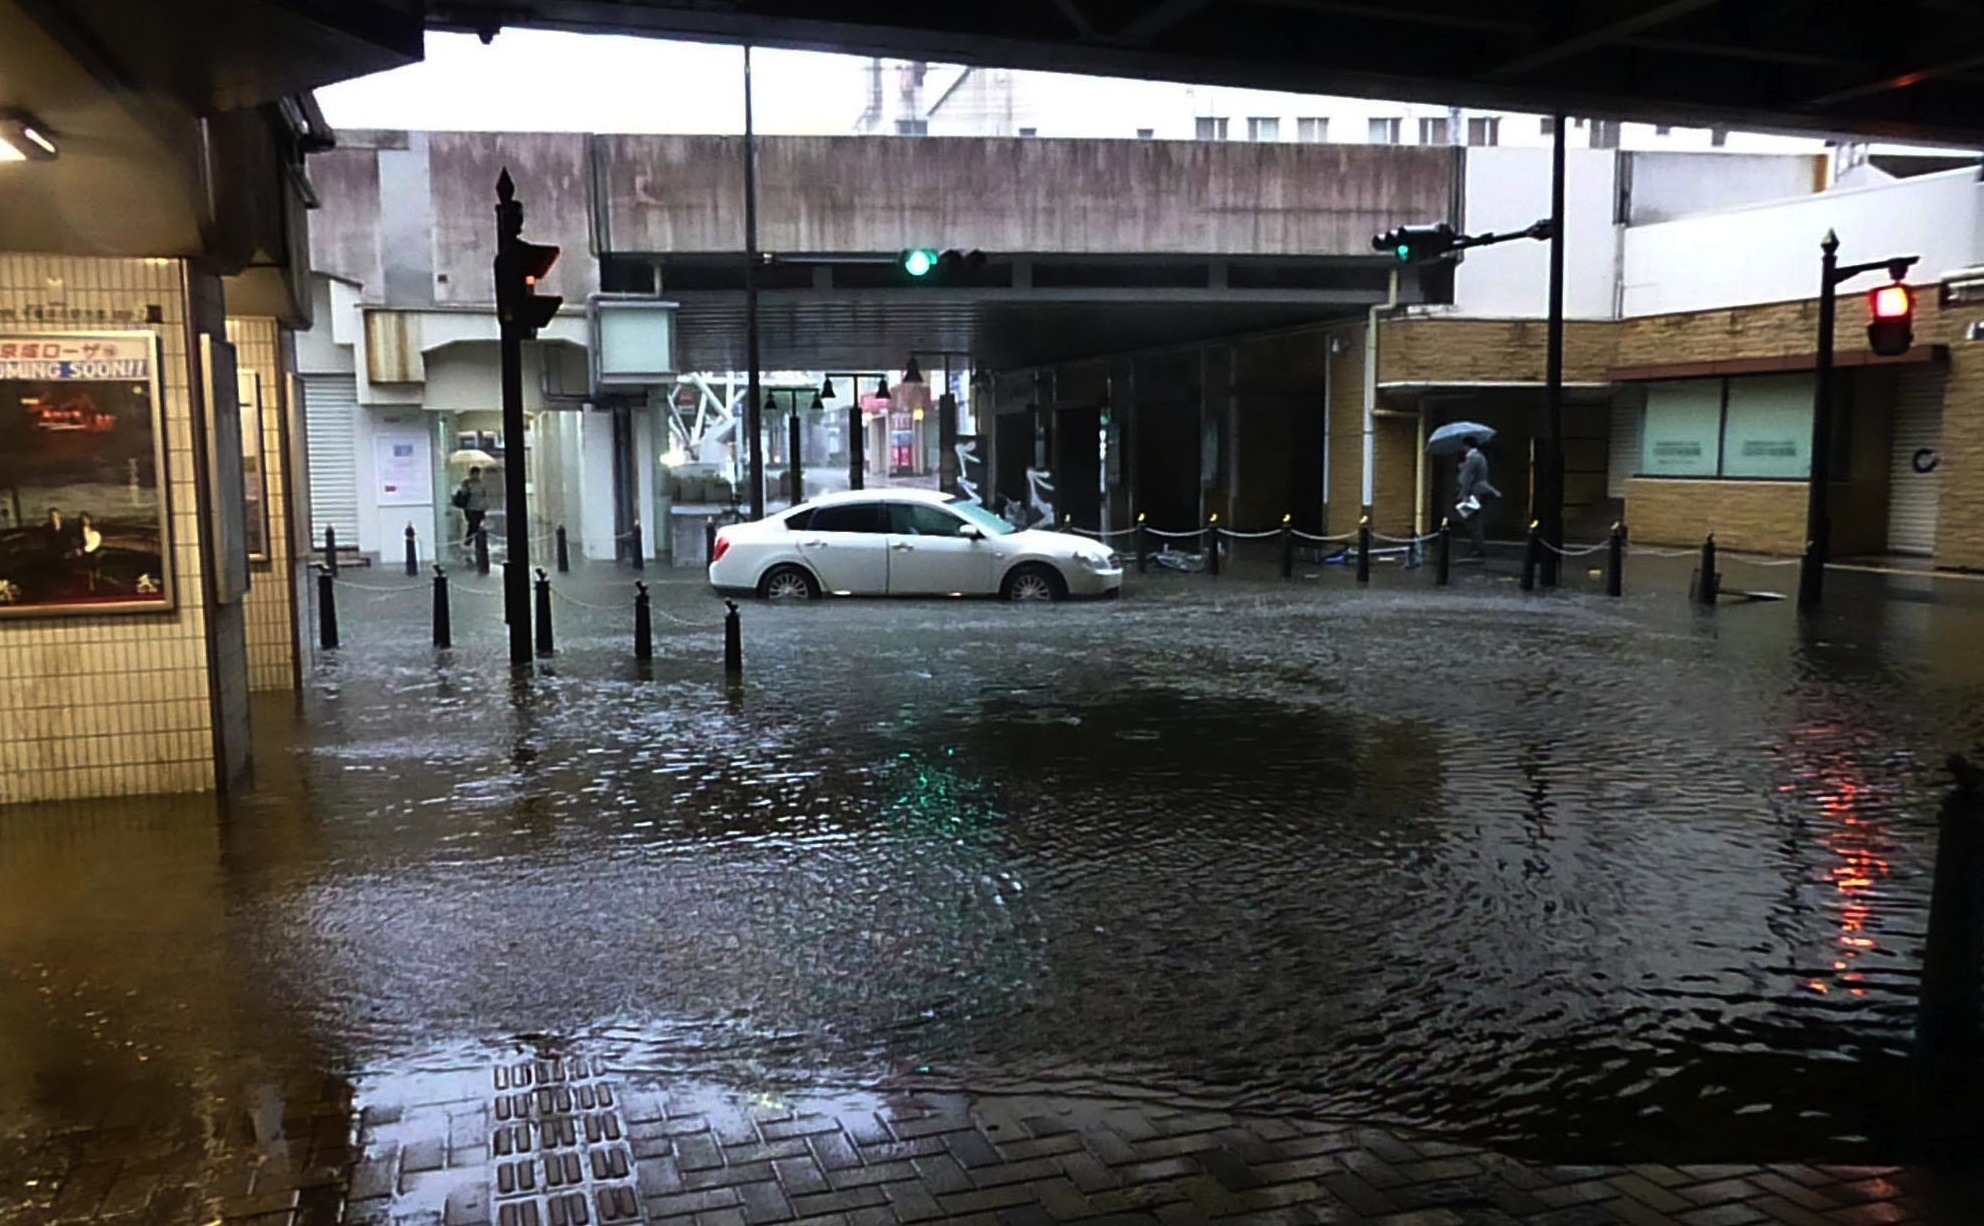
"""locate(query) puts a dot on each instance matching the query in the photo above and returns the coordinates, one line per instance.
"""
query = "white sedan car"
(906, 542)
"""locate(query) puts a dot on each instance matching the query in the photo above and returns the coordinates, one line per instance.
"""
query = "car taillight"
(722, 547)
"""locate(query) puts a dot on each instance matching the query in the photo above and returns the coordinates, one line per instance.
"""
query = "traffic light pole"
(1818, 525)
(1818, 522)
(516, 511)
(1551, 513)
(753, 414)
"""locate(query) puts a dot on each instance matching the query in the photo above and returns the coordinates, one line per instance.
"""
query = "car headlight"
(1099, 562)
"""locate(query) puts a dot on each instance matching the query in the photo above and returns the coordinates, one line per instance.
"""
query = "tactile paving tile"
(576, 1166)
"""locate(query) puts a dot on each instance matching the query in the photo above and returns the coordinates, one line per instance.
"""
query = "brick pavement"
(569, 1140)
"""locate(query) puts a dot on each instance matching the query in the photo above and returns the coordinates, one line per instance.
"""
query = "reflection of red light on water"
(1854, 840)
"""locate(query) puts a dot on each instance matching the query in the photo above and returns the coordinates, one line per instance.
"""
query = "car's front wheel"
(1034, 582)
(788, 582)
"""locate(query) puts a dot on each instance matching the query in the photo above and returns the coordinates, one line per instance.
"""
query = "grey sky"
(542, 81)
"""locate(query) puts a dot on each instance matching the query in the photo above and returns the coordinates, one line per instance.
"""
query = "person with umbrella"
(473, 501)
(1465, 438)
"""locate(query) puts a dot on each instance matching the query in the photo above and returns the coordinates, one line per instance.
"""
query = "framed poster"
(83, 524)
(254, 471)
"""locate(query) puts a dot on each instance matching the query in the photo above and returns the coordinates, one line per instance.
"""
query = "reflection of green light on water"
(932, 798)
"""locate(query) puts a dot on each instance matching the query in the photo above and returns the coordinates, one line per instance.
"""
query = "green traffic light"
(1404, 252)
(919, 262)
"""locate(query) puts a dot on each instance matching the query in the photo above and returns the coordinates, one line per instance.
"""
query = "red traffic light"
(1891, 332)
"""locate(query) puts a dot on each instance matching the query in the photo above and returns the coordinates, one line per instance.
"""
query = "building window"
(1433, 131)
(1718, 137)
(1384, 131)
(912, 127)
(1756, 428)
(1312, 131)
(620, 274)
(1146, 133)
(1604, 134)
(1211, 127)
(1484, 130)
(1029, 131)
(1263, 127)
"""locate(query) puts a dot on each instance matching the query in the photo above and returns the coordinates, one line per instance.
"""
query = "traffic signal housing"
(1891, 330)
(1418, 244)
(929, 266)
(520, 268)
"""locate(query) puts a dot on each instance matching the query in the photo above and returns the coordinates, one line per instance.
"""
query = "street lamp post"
(754, 422)
(1818, 523)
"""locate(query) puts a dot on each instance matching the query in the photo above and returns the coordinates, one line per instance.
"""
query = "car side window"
(916, 519)
(799, 521)
(850, 517)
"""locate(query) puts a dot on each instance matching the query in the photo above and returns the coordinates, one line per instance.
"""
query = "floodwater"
(1585, 878)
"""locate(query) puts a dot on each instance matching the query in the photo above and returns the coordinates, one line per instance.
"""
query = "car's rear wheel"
(1034, 582)
(788, 582)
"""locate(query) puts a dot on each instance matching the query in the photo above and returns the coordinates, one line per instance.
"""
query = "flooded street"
(1588, 880)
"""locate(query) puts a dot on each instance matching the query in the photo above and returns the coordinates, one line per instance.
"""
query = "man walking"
(1469, 491)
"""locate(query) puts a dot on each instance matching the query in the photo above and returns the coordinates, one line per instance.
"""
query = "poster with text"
(254, 473)
(82, 475)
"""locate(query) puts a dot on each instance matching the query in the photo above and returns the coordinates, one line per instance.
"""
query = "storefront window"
(1769, 428)
(1748, 428)
(1683, 427)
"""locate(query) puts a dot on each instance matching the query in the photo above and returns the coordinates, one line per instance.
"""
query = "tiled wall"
(116, 704)
(270, 604)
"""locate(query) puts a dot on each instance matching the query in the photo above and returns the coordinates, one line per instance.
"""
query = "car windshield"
(981, 518)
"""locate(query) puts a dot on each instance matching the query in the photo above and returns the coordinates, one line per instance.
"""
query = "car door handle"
(903, 547)
(812, 544)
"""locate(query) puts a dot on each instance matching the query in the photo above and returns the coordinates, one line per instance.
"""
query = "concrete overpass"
(1093, 246)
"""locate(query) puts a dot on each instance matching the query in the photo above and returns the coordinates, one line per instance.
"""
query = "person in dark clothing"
(473, 500)
(1472, 487)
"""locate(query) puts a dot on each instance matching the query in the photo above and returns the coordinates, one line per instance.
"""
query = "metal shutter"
(1918, 431)
(330, 415)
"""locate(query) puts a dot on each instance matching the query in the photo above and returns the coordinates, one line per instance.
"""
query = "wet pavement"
(1284, 880)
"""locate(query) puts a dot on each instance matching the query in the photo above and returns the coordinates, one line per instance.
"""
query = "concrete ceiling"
(1905, 69)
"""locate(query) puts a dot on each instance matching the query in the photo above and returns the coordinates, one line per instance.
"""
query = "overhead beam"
(1160, 17)
(1599, 34)
(1076, 18)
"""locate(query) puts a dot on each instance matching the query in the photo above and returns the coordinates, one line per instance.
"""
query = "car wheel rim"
(1032, 587)
(786, 587)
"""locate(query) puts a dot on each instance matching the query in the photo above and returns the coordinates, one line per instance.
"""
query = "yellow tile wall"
(115, 704)
(271, 608)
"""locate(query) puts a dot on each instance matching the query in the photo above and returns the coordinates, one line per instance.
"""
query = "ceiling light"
(25, 138)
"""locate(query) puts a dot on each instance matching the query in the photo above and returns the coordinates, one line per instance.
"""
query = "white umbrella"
(1447, 439)
(474, 457)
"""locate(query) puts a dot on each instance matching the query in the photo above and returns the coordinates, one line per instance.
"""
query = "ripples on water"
(1579, 877)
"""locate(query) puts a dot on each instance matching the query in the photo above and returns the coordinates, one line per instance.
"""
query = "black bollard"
(1212, 546)
(709, 541)
(1442, 573)
(1532, 556)
(331, 548)
(482, 551)
(412, 554)
(1143, 546)
(1364, 551)
(733, 643)
(1949, 1043)
(444, 626)
(1708, 584)
(1615, 562)
(544, 645)
(564, 552)
(327, 609)
(640, 548)
(643, 624)
(1287, 547)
